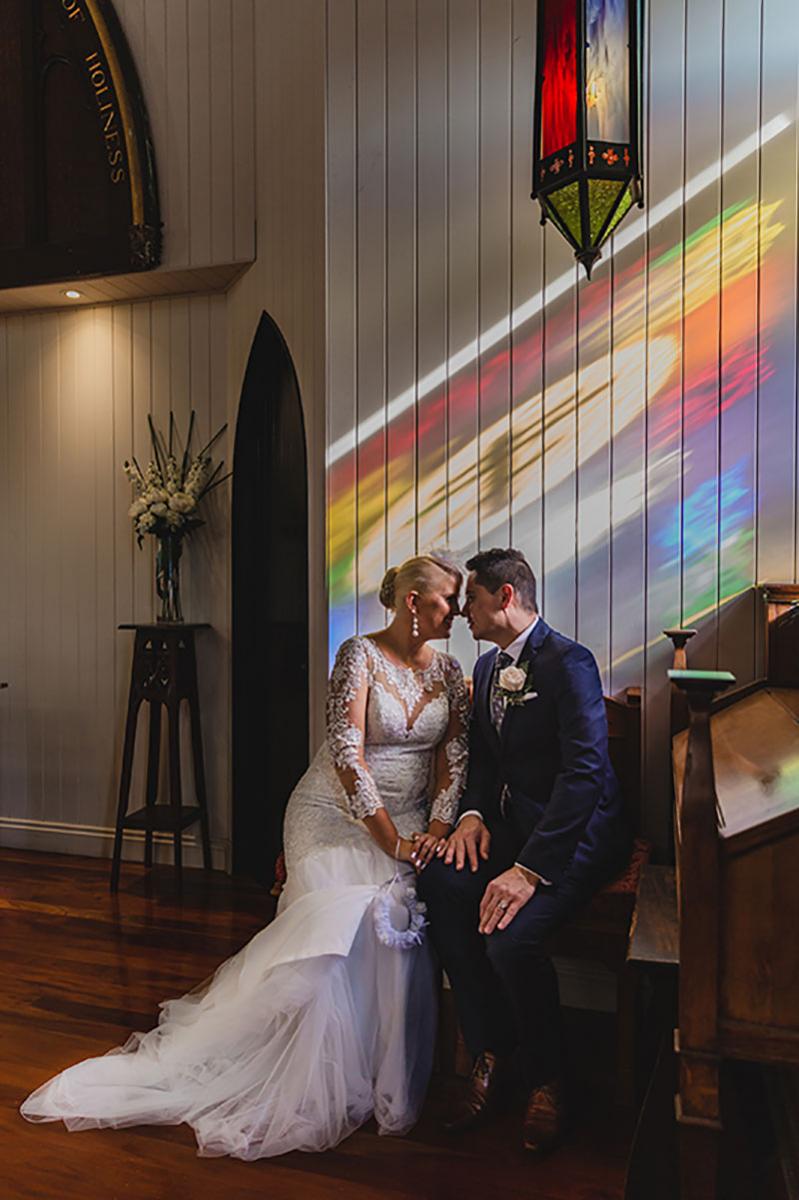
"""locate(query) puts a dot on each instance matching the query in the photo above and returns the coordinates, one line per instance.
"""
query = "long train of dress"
(316, 1024)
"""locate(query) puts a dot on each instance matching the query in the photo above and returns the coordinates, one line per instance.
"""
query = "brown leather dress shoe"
(482, 1092)
(545, 1117)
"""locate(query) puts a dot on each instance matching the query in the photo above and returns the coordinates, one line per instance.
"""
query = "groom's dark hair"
(492, 568)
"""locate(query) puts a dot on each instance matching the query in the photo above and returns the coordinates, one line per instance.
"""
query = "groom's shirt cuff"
(470, 812)
(530, 871)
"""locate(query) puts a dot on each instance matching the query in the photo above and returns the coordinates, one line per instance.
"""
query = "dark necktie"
(503, 660)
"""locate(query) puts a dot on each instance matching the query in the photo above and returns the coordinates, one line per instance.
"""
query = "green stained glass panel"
(566, 204)
(624, 205)
(556, 221)
(602, 195)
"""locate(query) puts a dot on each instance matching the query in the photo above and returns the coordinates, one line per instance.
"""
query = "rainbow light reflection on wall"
(685, 392)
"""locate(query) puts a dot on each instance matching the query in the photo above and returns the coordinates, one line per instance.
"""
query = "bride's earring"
(415, 625)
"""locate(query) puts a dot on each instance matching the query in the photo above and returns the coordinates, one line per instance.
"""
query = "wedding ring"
(503, 904)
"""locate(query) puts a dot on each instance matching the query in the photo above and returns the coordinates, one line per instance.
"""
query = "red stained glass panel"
(559, 83)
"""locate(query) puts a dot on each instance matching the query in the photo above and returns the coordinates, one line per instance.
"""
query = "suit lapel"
(483, 698)
(527, 657)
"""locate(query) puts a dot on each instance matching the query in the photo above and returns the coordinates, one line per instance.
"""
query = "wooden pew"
(600, 932)
(736, 771)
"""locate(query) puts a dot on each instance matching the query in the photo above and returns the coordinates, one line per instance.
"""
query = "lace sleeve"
(346, 722)
(452, 755)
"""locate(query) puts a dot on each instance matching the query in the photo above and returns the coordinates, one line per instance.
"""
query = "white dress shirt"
(518, 643)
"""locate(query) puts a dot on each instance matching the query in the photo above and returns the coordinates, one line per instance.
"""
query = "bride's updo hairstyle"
(418, 574)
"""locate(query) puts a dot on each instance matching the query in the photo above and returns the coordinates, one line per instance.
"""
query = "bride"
(328, 1015)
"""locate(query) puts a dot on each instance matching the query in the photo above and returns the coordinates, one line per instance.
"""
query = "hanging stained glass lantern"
(586, 148)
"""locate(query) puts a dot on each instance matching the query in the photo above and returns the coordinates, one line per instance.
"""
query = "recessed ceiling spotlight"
(73, 295)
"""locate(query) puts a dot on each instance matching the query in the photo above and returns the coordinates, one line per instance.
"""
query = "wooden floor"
(82, 970)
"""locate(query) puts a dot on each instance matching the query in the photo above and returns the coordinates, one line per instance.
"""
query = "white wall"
(196, 61)
(635, 435)
(235, 91)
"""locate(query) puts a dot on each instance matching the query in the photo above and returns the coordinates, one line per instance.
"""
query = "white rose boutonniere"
(512, 679)
(516, 684)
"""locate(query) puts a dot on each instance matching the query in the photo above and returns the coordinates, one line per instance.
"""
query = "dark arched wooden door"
(270, 602)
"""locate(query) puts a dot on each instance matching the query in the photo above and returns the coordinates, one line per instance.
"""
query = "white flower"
(182, 503)
(154, 495)
(195, 477)
(137, 508)
(159, 509)
(171, 474)
(512, 679)
(174, 520)
(146, 521)
(132, 471)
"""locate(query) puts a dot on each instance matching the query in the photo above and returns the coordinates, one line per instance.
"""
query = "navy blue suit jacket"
(552, 753)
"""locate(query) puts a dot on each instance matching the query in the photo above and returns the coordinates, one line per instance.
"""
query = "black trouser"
(505, 986)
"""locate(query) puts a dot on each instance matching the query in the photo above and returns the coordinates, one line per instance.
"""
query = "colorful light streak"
(628, 234)
(604, 381)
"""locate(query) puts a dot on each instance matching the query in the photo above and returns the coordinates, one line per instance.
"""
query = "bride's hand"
(428, 845)
(405, 850)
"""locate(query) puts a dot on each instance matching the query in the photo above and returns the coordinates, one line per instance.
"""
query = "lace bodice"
(417, 721)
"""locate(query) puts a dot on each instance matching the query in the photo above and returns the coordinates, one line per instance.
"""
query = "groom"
(541, 828)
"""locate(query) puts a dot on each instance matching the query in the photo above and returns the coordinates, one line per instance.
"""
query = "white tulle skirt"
(311, 1029)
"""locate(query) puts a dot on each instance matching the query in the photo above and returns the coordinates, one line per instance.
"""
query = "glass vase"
(167, 577)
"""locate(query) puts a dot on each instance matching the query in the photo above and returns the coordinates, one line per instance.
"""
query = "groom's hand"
(469, 839)
(504, 897)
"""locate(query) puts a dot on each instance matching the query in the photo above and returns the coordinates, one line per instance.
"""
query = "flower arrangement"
(169, 490)
(168, 493)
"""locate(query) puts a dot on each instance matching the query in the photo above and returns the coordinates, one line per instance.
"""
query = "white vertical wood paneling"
(106, 470)
(370, 299)
(701, 324)
(494, 267)
(628, 456)
(342, 268)
(401, 267)
(559, 359)
(16, 667)
(215, 563)
(593, 450)
(75, 391)
(635, 435)
(525, 517)
(200, 164)
(289, 277)
(34, 500)
(738, 343)
(777, 526)
(664, 311)
(50, 549)
(196, 63)
(222, 142)
(243, 77)
(76, 388)
(431, 270)
(177, 199)
(463, 188)
(73, 554)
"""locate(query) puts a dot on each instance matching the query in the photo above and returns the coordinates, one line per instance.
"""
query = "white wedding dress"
(318, 1023)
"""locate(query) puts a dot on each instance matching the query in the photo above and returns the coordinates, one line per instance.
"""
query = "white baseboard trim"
(97, 841)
